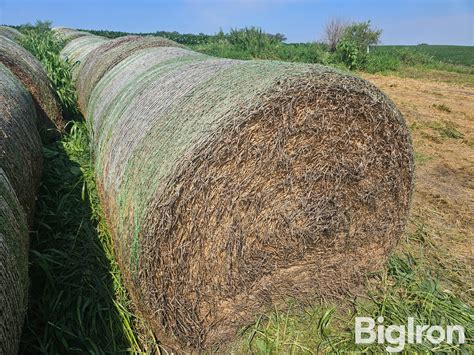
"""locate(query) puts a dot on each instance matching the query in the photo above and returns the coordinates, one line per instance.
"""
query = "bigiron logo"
(397, 336)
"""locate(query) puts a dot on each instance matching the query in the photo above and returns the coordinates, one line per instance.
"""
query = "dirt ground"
(441, 118)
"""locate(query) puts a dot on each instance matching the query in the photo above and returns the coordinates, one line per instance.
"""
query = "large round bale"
(107, 55)
(20, 171)
(78, 49)
(68, 34)
(10, 33)
(33, 76)
(233, 186)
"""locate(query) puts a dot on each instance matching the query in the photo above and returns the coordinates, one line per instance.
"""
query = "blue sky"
(403, 22)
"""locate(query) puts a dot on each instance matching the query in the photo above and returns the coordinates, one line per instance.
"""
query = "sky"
(402, 22)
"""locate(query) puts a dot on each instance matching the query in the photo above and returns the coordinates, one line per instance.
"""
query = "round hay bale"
(31, 73)
(68, 34)
(107, 55)
(232, 186)
(78, 49)
(10, 33)
(20, 171)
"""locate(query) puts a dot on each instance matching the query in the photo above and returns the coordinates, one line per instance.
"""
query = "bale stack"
(31, 73)
(20, 171)
(10, 33)
(233, 186)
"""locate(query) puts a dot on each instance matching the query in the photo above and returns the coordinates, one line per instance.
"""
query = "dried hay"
(31, 73)
(20, 171)
(231, 186)
(107, 55)
(78, 49)
(10, 33)
(68, 34)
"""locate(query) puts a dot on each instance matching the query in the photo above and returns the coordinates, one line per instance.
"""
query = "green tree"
(362, 35)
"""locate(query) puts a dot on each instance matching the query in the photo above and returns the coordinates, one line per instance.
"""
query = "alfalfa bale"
(33, 76)
(10, 33)
(20, 171)
(107, 55)
(232, 186)
(78, 49)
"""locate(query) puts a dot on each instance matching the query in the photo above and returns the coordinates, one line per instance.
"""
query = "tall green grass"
(78, 303)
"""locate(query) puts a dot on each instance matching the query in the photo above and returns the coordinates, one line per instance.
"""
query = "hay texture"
(232, 186)
(78, 49)
(103, 58)
(68, 34)
(20, 171)
(33, 76)
(10, 33)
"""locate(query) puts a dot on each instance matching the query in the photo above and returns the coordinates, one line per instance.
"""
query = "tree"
(279, 37)
(334, 31)
(362, 35)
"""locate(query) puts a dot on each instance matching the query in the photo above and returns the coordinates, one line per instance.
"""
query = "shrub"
(348, 53)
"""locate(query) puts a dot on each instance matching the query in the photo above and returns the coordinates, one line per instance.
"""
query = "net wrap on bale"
(231, 186)
(33, 76)
(10, 33)
(68, 34)
(20, 171)
(78, 49)
(103, 58)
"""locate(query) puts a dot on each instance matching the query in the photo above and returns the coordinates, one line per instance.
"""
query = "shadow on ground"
(71, 303)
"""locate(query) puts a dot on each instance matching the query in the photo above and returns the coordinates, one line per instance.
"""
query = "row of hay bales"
(27, 102)
(233, 186)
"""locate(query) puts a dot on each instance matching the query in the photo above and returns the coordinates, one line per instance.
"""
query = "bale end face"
(297, 197)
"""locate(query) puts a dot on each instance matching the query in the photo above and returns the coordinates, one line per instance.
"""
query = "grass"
(462, 55)
(77, 299)
(78, 303)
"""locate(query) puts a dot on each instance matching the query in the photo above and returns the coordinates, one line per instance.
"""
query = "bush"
(348, 53)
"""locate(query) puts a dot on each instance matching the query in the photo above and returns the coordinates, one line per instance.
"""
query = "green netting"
(103, 58)
(10, 33)
(68, 34)
(77, 50)
(231, 186)
(33, 76)
(20, 171)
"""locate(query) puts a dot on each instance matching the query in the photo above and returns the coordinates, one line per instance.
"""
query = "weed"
(422, 159)
(446, 130)
(442, 107)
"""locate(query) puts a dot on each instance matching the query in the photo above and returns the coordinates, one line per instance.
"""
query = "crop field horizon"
(80, 299)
